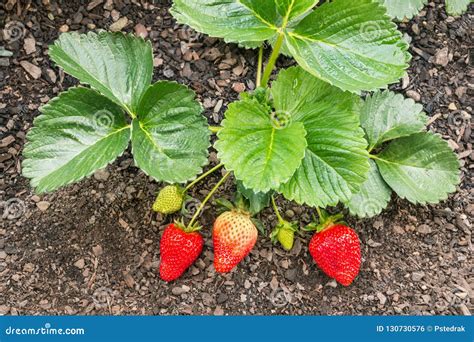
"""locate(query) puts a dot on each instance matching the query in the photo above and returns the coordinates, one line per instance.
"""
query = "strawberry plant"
(306, 133)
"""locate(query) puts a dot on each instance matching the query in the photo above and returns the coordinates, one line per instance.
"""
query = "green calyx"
(239, 205)
(325, 221)
(169, 200)
(187, 228)
(284, 233)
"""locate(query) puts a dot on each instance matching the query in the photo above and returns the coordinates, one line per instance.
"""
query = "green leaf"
(336, 160)
(78, 132)
(262, 151)
(457, 7)
(291, 9)
(257, 200)
(239, 21)
(386, 116)
(372, 197)
(351, 44)
(170, 138)
(119, 66)
(421, 168)
(403, 9)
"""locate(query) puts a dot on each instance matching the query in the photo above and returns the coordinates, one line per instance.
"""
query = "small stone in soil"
(414, 95)
(141, 31)
(101, 175)
(423, 229)
(222, 298)
(80, 263)
(29, 267)
(179, 290)
(29, 45)
(398, 229)
(417, 276)
(157, 62)
(97, 250)
(442, 57)
(43, 205)
(238, 87)
(168, 73)
(64, 28)
(218, 311)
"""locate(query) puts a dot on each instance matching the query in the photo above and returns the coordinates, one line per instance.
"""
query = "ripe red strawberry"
(336, 250)
(179, 248)
(234, 236)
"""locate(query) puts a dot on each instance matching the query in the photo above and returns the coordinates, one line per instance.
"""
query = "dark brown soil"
(93, 247)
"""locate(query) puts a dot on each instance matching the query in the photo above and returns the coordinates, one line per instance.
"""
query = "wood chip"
(123, 223)
(94, 4)
(7, 141)
(119, 24)
(128, 279)
(31, 69)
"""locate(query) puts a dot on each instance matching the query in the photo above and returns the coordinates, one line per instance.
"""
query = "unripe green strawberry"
(169, 200)
(284, 233)
(286, 237)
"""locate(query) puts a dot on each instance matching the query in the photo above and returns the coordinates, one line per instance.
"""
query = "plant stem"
(371, 156)
(277, 212)
(214, 129)
(260, 66)
(273, 58)
(129, 111)
(320, 214)
(204, 175)
(208, 197)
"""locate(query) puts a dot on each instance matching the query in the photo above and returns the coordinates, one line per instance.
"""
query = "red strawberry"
(234, 236)
(336, 250)
(179, 248)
